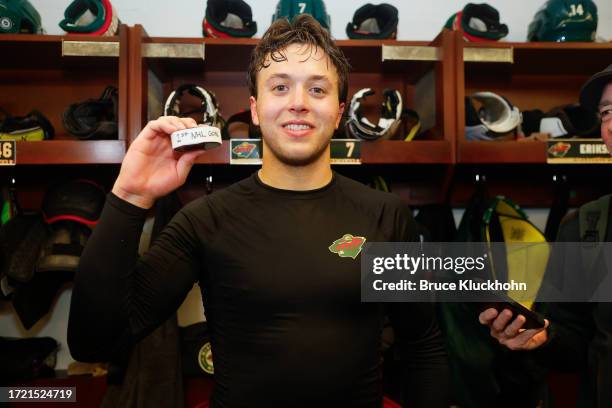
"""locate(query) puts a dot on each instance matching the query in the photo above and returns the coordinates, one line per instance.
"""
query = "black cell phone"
(502, 301)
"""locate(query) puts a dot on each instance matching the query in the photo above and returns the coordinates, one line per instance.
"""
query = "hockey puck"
(201, 137)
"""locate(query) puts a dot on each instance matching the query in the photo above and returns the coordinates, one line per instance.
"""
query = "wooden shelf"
(380, 152)
(545, 58)
(229, 42)
(406, 57)
(399, 152)
(45, 38)
(390, 57)
(35, 51)
(379, 64)
(531, 75)
(219, 155)
(48, 73)
(477, 152)
(542, 45)
(225, 55)
(70, 152)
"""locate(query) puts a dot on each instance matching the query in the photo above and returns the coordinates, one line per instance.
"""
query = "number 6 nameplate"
(8, 153)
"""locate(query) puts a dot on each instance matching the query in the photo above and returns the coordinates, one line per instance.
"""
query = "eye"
(280, 88)
(317, 90)
(606, 114)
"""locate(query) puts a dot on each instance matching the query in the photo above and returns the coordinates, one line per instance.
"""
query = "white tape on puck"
(201, 137)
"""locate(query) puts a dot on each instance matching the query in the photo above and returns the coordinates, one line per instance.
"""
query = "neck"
(297, 178)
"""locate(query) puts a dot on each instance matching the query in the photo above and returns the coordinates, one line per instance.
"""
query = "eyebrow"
(278, 76)
(605, 103)
(313, 78)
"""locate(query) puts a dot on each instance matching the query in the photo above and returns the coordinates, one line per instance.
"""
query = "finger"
(163, 125)
(512, 330)
(192, 155)
(186, 161)
(487, 316)
(541, 329)
(502, 320)
(189, 122)
(498, 335)
(521, 340)
(176, 121)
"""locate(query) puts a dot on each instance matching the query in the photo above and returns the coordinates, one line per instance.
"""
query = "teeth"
(297, 127)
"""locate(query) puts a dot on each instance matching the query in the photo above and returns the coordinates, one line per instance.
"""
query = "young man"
(287, 325)
(579, 336)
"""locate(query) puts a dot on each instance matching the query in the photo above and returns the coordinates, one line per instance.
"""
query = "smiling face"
(605, 112)
(297, 106)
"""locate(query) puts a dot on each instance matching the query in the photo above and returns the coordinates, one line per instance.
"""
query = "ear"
(253, 106)
(340, 112)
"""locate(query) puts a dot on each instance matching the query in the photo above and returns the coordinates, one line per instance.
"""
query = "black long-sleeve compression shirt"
(288, 328)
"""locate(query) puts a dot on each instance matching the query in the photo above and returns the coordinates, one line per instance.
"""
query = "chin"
(299, 160)
(297, 155)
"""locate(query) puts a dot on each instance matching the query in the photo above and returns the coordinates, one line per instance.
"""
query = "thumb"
(186, 161)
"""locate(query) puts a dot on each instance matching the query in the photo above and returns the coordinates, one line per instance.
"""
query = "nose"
(298, 100)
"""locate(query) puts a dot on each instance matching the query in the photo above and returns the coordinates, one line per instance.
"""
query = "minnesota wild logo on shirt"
(348, 246)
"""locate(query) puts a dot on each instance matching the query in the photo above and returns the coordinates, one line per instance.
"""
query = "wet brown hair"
(304, 29)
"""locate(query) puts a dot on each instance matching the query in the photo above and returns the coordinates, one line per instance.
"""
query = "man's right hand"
(510, 332)
(151, 169)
